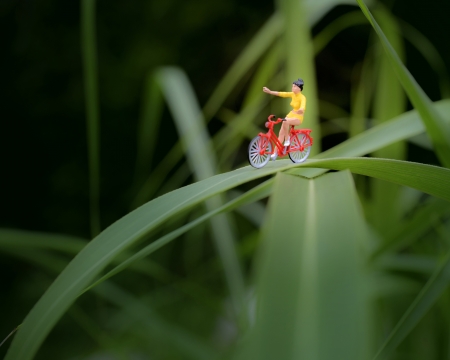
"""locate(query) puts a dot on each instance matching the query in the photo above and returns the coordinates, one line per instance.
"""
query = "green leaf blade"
(311, 289)
(436, 126)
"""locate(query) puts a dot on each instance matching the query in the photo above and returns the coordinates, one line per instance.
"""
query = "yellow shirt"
(298, 102)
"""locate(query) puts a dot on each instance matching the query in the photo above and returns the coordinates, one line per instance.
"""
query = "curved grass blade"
(400, 128)
(94, 257)
(436, 126)
(423, 302)
(188, 118)
(134, 308)
(312, 293)
(200, 156)
(88, 43)
(429, 179)
(257, 193)
(139, 223)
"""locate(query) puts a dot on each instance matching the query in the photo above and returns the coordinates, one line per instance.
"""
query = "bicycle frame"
(271, 136)
(259, 150)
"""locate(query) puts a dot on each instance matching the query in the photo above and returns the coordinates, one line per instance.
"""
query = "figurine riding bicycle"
(295, 143)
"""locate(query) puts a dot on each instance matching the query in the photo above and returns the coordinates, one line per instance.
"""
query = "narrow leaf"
(255, 194)
(311, 287)
(423, 302)
(129, 230)
(437, 127)
(193, 134)
(430, 179)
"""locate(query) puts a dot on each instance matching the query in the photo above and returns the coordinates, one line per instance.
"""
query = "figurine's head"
(298, 84)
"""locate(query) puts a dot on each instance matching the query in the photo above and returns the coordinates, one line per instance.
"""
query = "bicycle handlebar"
(273, 122)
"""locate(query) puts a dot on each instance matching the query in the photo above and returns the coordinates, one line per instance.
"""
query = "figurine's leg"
(284, 131)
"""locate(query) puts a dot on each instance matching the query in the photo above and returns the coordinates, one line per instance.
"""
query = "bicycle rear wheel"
(298, 142)
(256, 146)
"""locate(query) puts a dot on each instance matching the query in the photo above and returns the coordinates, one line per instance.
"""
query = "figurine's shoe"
(274, 156)
(287, 142)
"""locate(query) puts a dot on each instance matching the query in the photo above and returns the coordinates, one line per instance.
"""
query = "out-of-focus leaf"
(263, 75)
(158, 176)
(311, 287)
(195, 138)
(341, 23)
(422, 140)
(417, 264)
(260, 44)
(21, 239)
(400, 128)
(25, 244)
(389, 102)
(318, 8)
(423, 302)
(148, 128)
(254, 50)
(436, 126)
(409, 231)
(361, 93)
(240, 127)
(429, 52)
(299, 54)
(187, 343)
(188, 118)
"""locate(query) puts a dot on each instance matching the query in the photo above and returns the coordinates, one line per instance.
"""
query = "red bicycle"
(263, 145)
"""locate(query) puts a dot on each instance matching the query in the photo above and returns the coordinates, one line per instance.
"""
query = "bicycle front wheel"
(259, 151)
(298, 142)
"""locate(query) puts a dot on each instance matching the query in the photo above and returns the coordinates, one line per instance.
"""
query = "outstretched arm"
(266, 90)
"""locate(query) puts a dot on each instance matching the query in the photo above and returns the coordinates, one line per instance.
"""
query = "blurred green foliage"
(356, 253)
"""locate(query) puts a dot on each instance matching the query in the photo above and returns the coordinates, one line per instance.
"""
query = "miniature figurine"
(295, 116)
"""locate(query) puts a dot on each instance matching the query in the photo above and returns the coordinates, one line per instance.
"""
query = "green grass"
(348, 264)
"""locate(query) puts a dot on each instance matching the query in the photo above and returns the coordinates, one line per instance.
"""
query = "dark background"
(44, 151)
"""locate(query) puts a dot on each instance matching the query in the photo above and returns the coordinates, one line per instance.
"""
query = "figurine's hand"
(299, 112)
(266, 90)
